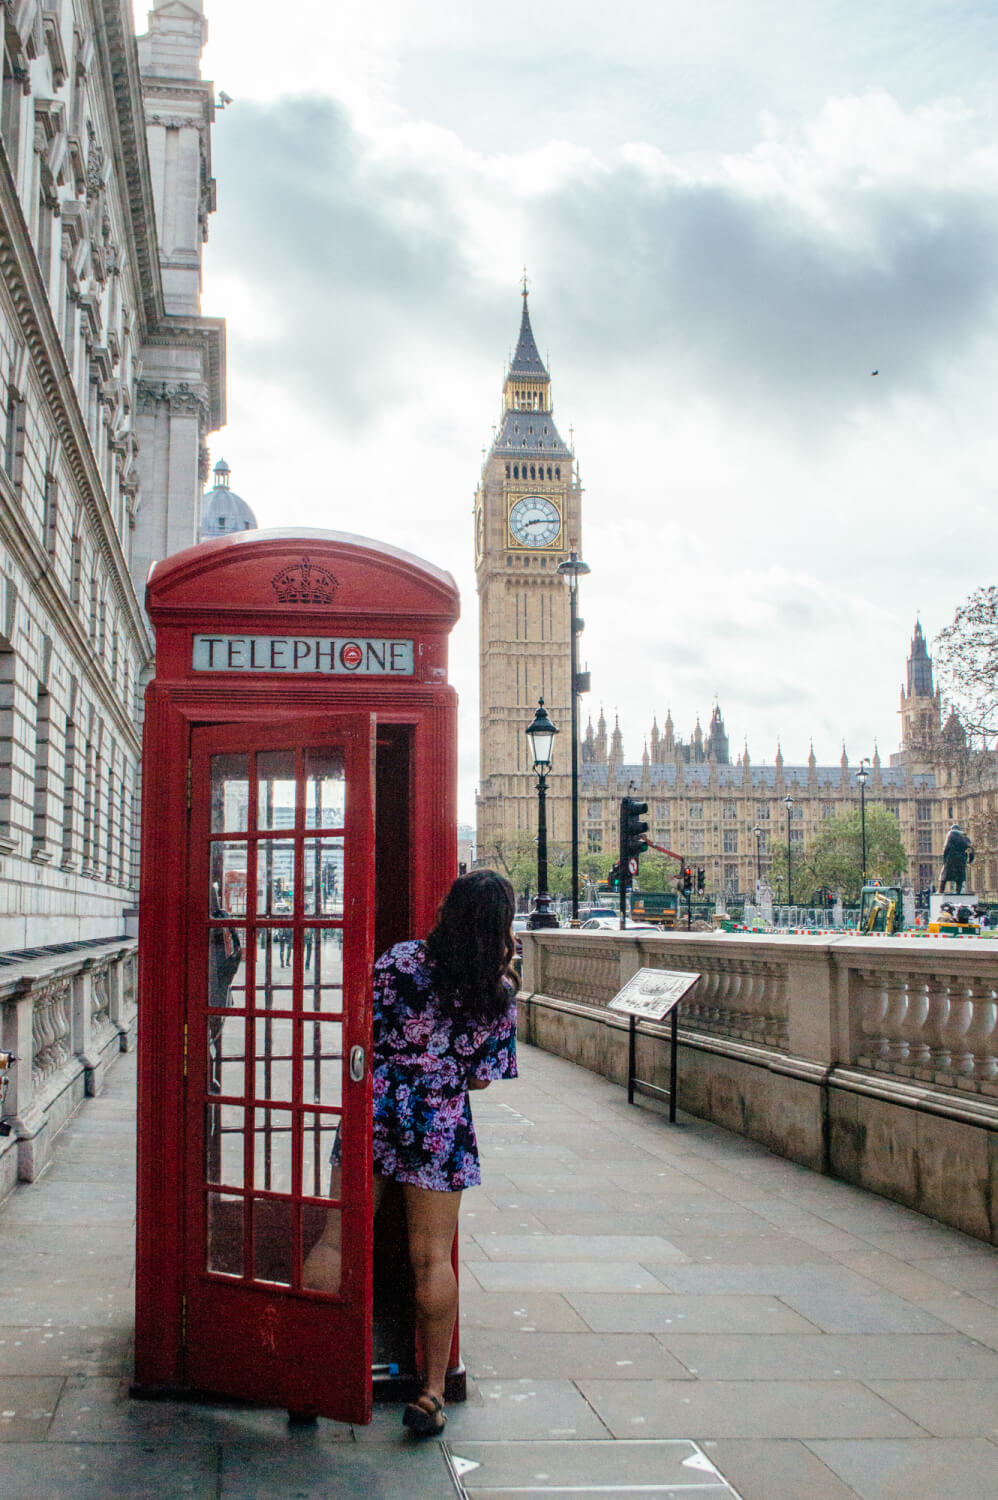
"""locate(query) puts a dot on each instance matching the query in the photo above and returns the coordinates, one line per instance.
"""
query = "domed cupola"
(222, 510)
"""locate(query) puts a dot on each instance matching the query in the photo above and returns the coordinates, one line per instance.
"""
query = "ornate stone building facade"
(110, 381)
(527, 520)
(708, 807)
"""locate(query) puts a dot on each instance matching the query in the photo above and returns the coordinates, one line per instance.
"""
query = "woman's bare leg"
(432, 1221)
(324, 1263)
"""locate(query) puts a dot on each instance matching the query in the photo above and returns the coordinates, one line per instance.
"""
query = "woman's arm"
(478, 1083)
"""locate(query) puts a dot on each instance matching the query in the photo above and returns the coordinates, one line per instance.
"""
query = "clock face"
(535, 521)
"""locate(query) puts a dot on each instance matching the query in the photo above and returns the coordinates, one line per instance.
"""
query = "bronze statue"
(958, 852)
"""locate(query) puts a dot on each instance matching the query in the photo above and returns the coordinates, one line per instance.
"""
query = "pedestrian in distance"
(444, 1026)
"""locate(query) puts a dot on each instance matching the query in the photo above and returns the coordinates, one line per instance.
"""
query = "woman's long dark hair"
(471, 945)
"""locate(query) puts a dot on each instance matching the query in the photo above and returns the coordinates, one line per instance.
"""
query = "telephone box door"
(278, 1096)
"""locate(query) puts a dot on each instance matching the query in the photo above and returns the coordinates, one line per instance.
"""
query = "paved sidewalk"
(647, 1310)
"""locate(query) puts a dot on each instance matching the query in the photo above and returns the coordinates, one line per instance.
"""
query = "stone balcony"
(874, 1060)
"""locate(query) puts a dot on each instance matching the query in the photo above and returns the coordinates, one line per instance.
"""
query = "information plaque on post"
(651, 995)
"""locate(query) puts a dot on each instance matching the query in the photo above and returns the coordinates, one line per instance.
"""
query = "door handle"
(357, 1061)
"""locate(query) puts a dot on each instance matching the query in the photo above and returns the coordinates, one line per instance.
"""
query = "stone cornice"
(117, 42)
(33, 313)
(208, 335)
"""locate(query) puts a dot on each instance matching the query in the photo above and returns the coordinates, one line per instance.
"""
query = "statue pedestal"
(938, 900)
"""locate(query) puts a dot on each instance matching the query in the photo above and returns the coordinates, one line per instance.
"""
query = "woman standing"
(444, 1024)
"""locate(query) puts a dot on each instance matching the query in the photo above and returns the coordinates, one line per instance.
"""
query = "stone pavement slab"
(632, 1292)
(953, 1469)
(745, 1409)
(96, 1471)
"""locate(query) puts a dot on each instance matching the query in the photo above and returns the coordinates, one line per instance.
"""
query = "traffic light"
(632, 831)
(701, 880)
(687, 880)
(613, 879)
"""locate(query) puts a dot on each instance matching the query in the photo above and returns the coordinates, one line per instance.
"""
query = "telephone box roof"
(299, 569)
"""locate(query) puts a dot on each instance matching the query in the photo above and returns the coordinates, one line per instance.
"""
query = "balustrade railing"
(63, 1014)
(924, 1011)
(51, 1030)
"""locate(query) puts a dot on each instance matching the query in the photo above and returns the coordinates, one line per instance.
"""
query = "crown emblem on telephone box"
(304, 583)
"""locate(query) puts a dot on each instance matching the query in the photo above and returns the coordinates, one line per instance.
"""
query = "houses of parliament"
(728, 815)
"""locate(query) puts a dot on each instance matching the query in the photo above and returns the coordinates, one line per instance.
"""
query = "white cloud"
(763, 515)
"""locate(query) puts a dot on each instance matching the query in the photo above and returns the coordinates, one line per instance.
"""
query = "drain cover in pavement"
(625, 1470)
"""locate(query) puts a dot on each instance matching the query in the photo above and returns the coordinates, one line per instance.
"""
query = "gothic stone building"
(708, 807)
(527, 521)
(702, 803)
(110, 381)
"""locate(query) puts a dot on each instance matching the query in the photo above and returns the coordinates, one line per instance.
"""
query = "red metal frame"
(228, 586)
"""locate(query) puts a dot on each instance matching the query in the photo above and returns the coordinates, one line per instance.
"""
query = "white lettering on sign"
(356, 656)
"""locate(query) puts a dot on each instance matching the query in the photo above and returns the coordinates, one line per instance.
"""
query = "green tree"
(966, 658)
(836, 855)
(802, 882)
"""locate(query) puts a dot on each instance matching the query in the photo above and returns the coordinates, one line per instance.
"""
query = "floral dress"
(423, 1130)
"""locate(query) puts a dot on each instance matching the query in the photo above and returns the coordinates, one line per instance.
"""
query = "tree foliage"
(966, 660)
(835, 857)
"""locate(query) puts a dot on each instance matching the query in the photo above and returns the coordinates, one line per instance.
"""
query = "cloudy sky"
(731, 214)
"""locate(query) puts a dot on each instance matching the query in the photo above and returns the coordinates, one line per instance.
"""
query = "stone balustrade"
(873, 1058)
(64, 1016)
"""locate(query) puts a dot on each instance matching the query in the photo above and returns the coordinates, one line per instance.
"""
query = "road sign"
(632, 865)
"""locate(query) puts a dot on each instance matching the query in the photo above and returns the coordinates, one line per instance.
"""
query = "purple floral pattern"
(423, 1130)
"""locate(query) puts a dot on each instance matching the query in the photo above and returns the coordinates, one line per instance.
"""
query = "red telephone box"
(299, 791)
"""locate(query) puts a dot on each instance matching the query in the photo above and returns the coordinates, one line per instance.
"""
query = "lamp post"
(542, 733)
(862, 776)
(573, 569)
(788, 802)
(758, 858)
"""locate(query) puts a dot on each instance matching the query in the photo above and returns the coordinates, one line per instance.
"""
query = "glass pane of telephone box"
(225, 1144)
(274, 969)
(227, 862)
(320, 1243)
(324, 877)
(322, 1062)
(276, 789)
(320, 1164)
(224, 1250)
(226, 1056)
(275, 877)
(229, 793)
(322, 988)
(272, 1150)
(273, 1240)
(325, 789)
(227, 965)
(274, 1040)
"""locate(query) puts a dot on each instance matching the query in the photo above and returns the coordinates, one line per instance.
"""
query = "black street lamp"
(862, 776)
(573, 568)
(789, 804)
(542, 733)
(758, 858)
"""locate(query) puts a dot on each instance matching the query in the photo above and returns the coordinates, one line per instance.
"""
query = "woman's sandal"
(420, 1420)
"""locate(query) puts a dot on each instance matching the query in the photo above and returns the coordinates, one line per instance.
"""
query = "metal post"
(862, 820)
(632, 1053)
(574, 655)
(573, 567)
(674, 1065)
(542, 842)
(790, 878)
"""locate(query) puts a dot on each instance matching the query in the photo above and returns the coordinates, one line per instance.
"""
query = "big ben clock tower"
(527, 521)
